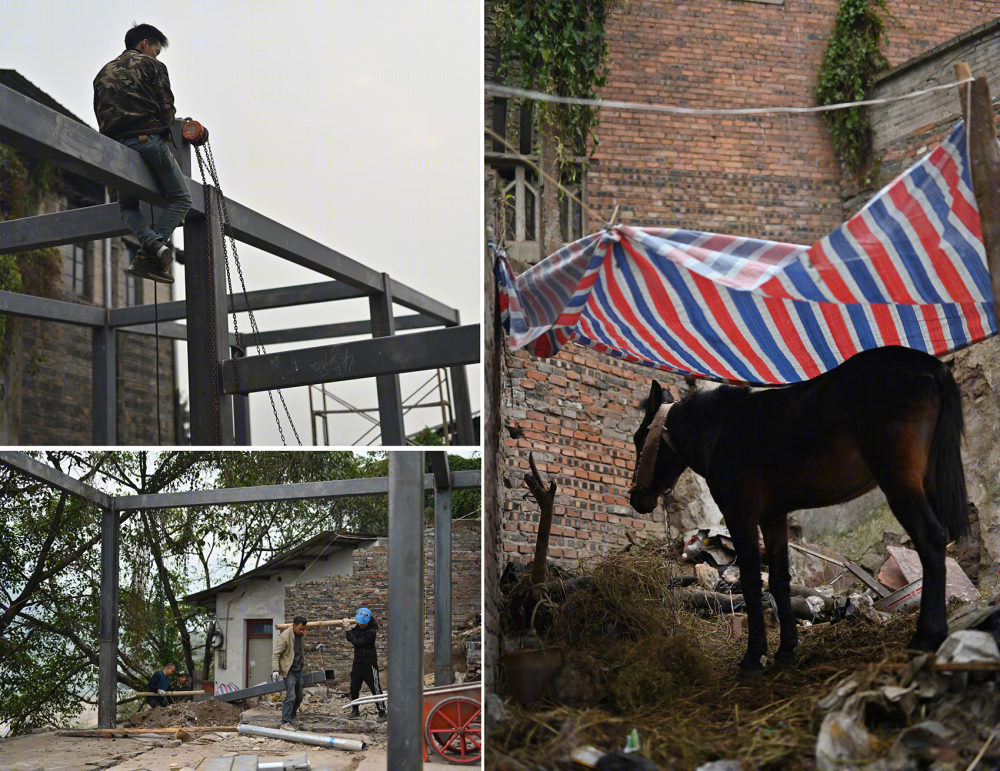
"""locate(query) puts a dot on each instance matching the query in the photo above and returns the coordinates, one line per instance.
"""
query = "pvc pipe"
(319, 740)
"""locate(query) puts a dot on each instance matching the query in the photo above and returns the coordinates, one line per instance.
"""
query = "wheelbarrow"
(452, 721)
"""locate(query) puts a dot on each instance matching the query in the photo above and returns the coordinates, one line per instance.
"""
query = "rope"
(497, 90)
(224, 223)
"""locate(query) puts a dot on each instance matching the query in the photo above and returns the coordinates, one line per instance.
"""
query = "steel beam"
(29, 307)
(36, 130)
(442, 577)
(259, 690)
(104, 387)
(208, 333)
(52, 476)
(446, 347)
(439, 467)
(89, 223)
(406, 623)
(331, 488)
(278, 297)
(329, 331)
(390, 396)
(107, 670)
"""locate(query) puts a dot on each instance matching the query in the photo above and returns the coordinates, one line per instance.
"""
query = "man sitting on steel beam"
(288, 662)
(134, 105)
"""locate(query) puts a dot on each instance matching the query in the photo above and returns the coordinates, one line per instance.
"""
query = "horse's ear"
(654, 401)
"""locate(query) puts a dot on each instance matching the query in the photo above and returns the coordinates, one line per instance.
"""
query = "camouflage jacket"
(132, 96)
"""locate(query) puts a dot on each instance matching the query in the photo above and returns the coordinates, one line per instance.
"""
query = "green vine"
(558, 47)
(850, 63)
(22, 189)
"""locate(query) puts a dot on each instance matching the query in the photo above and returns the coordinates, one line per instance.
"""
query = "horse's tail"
(946, 492)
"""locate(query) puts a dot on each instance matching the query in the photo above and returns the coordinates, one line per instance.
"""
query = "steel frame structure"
(218, 383)
(405, 487)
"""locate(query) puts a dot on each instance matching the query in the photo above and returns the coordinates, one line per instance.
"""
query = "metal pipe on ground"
(304, 737)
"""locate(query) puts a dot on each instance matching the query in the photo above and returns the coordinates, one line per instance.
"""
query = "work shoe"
(287, 727)
(145, 267)
(381, 717)
(355, 714)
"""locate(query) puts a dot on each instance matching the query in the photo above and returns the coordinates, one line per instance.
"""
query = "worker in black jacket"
(365, 667)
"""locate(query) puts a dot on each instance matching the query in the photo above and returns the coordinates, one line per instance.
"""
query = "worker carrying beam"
(134, 105)
(159, 684)
(365, 667)
(288, 662)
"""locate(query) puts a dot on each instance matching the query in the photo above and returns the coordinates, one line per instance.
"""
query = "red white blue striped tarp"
(909, 269)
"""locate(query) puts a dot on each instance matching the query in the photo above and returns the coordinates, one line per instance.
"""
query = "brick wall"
(767, 176)
(340, 596)
(50, 366)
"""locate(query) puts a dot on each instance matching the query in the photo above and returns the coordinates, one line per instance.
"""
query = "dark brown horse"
(890, 417)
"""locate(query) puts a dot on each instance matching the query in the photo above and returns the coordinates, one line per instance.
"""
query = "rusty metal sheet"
(891, 576)
(957, 584)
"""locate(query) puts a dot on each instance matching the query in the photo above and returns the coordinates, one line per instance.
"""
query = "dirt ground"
(50, 750)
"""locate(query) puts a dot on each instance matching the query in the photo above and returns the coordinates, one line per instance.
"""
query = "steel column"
(108, 656)
(463, 407)
(208, 333)
(406, 622)
(390, 399)
(442, 587)
(241, 411)
(104, 390)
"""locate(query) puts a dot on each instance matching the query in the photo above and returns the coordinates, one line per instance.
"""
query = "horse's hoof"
(785, 661)
(750, 674)
(752, 667)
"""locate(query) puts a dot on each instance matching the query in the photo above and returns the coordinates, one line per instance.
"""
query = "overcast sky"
(355, 123)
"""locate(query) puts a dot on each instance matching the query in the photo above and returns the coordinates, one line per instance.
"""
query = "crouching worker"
(365, 667)
(288, 662)
(159, 684)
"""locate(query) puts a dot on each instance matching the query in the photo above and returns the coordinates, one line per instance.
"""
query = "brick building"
(329, 577)
(46, 367)
(769, 176)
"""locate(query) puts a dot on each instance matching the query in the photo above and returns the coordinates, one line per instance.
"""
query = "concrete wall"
(266, 600)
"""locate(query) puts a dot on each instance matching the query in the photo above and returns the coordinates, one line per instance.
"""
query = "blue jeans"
(156, 153)
(293, 696)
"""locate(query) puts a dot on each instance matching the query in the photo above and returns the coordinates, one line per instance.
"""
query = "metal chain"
(223, 214)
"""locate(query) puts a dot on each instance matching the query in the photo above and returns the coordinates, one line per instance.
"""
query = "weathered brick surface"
(576, 412)
(368, 586)
(773, 176)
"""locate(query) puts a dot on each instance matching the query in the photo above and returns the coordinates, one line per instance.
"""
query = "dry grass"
(674, 677)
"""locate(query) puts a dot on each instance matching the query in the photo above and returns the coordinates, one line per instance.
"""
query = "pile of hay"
(635, 660)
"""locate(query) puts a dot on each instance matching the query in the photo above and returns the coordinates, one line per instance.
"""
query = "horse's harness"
(643, 476)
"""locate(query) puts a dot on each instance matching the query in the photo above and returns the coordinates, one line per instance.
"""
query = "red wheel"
(454, 730)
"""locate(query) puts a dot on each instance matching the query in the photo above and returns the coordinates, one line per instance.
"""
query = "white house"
(248, 608)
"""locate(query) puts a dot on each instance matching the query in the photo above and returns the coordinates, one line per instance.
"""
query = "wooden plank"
(110, 733)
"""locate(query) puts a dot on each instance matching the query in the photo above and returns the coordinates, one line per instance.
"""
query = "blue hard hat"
(363, 616)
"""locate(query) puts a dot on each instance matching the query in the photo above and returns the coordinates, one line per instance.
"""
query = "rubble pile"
(648, 640)
(207, 712)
